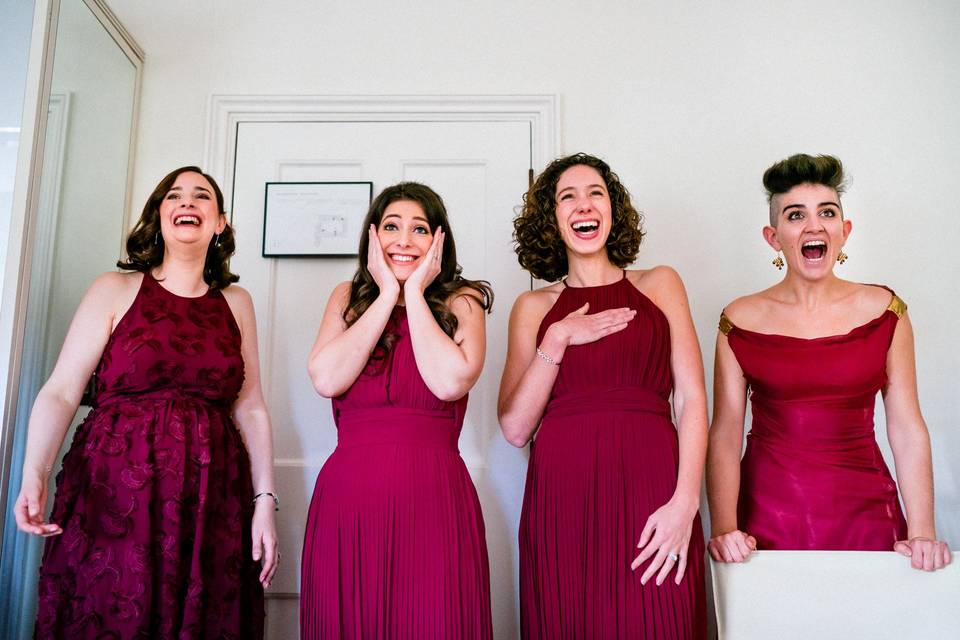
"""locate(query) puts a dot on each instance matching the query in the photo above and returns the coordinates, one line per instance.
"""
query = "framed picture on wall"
(314, 218)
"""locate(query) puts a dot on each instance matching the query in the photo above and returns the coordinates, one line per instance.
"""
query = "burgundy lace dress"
(155, 492)
(604, 459)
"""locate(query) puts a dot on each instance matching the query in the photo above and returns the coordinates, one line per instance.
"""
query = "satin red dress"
(155, 495)
(394, 545)
(812, 476)
(605, 457)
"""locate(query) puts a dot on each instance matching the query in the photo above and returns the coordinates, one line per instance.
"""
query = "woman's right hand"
(580, 328)
(735, 546)
(31, 505)
(377, 266)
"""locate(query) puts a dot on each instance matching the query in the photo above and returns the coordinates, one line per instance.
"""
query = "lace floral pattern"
(155, 494)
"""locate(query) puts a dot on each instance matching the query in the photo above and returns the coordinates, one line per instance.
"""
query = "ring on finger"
(673, 556)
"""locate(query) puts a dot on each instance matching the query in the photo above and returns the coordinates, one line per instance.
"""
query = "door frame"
(226, 112)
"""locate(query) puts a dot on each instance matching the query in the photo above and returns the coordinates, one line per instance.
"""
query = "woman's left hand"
(925, 553)
(666, 539)
(265, 548)
(429, 267)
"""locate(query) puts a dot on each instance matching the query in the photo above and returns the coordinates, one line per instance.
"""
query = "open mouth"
(193, 221)
(814, 249)
(586, 229)
(402, 258)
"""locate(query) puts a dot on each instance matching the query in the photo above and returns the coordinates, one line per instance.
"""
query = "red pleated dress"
(155, 495)
(812, 476)
(605, 457)
(394, 545)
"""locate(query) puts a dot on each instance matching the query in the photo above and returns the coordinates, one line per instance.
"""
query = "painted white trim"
(225, 112)
(46, 219)
(26, 194)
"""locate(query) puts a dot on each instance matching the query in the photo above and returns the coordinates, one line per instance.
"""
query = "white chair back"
(845, 595)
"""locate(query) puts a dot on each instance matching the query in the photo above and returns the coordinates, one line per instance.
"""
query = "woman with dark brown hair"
(163, 524)
(395, 542)
(610, 510)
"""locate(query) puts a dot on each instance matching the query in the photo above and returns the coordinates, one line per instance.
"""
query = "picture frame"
(314, 219)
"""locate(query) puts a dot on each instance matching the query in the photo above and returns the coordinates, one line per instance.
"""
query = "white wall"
(688, 101)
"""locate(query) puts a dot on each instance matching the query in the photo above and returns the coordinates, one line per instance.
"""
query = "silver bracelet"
(276, 500)
(546, 358)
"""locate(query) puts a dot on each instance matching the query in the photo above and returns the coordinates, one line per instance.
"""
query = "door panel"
(480, 170)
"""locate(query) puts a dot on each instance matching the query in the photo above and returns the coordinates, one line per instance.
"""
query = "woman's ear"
(770, 235)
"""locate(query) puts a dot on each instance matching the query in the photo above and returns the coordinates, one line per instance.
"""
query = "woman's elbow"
(513, 431)
(452, 387)
(323, 385)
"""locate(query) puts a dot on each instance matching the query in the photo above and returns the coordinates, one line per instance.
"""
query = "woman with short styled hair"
(813, 350)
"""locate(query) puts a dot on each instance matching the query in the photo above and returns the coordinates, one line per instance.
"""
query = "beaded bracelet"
(546, 358)
(276, 500)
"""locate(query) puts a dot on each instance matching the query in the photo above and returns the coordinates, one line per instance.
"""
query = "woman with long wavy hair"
(163, 522)
(394, 543)
(610, 538)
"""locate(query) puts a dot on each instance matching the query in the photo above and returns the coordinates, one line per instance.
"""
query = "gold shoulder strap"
(725, 325)
(898, 306)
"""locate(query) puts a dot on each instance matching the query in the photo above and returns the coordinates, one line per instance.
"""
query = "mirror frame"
(23, 223)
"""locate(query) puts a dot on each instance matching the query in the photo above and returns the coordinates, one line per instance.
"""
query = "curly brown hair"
(145, 244)
(364, 289)
(536, 236)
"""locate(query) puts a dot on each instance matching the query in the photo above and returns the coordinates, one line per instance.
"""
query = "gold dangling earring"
(778, 262)
(842, 257)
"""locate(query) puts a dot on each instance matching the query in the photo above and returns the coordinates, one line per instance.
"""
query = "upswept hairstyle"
(536, 236)
(145, 244)
(802, 169)
(364, 290)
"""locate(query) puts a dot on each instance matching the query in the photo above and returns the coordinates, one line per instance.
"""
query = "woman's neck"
(591, 271)
(182, 275)
(810, 294)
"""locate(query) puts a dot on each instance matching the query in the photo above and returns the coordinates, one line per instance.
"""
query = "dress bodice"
(169, 345)
(392, 381)
(815, 391)
(637, 357)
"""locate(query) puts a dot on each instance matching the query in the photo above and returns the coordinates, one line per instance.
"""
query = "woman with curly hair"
(813, 350)
(163, 523)
(395, 543)
(610, 537)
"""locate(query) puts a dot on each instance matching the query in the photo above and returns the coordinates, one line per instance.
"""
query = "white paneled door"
(481, 171)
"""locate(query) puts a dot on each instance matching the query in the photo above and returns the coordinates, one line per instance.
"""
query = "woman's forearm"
(444, 366)
(49, 421)
(335, 365)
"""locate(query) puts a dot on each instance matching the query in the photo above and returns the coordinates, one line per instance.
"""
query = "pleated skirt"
(395, 548)
(592, 482)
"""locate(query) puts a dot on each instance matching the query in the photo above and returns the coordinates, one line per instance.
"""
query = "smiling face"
(405, 236)
(189, 212)
(810, 228)
(584, 212)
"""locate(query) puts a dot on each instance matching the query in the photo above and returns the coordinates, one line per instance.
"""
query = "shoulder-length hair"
(536, 236)
(364, 290)
(145, 244)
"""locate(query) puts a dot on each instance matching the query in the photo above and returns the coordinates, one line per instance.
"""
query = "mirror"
(77, 233)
